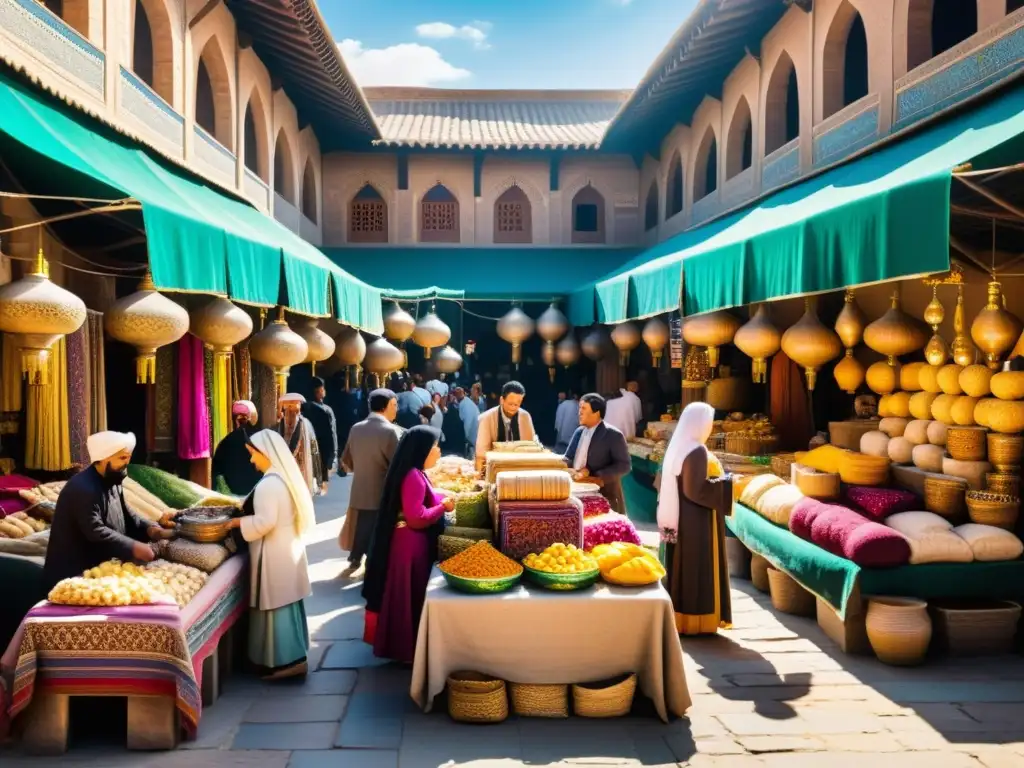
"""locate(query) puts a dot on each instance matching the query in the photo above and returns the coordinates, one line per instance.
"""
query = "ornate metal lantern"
(655, 335)
(711, 330)
(398, 324)
(759, 339)
(279, 347)
(350, 350)
(321, 345)
(431, 332)
(626, 338)
(810, 344)
(515, 327)
(383, 358)
(551, 326)
(567, 351)
(448, 360)
(146, 320)
(220, 325)
(595, 343)
(995, 330)
(895, 333)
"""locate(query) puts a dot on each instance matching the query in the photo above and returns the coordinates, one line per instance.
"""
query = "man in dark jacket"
(325, 427)
(92, 523)
(598, 453)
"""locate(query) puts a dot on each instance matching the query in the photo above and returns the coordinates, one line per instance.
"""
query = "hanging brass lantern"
(350, 350)
(595, 343)
(895, 333)
(449, 361)
(567, 351)
(398, 324)
(278, 347)
(655, 335)
(850, 323)
(626, 338)
(936, 352)
(849, 373)
(221, 324)
(810, 344)
(995, 330)
(549, 356)
(759, 339)
(39, 312)
(146, 320)
(383, 358)
(963, 350)
(431, 331)
(320, 345)
(551, 326)
(711, 330)
(515, 327)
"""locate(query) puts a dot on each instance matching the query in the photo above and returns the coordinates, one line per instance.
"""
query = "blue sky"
(509, 44)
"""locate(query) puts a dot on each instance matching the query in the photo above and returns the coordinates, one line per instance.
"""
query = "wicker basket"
(782, 464)
(997, 509)
(966, 443)
(450, 546)
(788, 596)
(608, 698)
(899, 629)
(476, 698)
(759, 573)
(945, 497)
(540, 700)
(1004, 451)
(1002, 482)
(976, 627)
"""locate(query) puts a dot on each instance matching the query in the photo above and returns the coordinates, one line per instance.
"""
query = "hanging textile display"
(265, 390)
(97, 374)
(78, 395)
(208, 389)
(11, 377)
(47, 439)
(163, 401)
(790, 407)
(241, 373)
(193, 414)
(220, 410)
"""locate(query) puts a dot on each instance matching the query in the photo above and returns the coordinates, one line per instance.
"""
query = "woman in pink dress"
(404, 547)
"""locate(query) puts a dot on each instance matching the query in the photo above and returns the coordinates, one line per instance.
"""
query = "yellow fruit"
(899, 404)
(882, 378)
(949, 379)
(975, 380)
(1008, 385)
(928, 377)
(942, 408)
(910, 376)
(962, 411)
(921, 405)
(1003, 416)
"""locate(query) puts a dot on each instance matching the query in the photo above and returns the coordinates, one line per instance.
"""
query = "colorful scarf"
(78, 395)
(193, 414)
(47, 443)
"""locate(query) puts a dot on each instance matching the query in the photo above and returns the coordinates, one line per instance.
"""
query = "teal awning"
(199, 240)
(488, 273)
(882, 216)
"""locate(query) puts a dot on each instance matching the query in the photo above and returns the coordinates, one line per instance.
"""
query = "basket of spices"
(996, 509)
(476, 698)
(531, 700)
(480, 569)
(607, 698)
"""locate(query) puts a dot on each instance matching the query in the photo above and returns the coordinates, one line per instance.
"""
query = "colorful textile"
(220, 411)
(869, 544)
(607, 529)
(11, 380)
(163, 400)
(526, 527)
(193, 414)
(97, 373)
(47, 439)
(78, 394)
(879, 503)
(208, 391)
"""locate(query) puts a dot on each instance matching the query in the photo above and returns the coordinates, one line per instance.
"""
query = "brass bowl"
(205, 525)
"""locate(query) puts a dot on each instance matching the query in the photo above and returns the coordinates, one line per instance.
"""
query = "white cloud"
(475, 32)
(403, 64)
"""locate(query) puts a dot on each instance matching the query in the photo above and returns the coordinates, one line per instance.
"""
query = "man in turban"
(325, 427)
(92, 523)
(233, 471)
(301, 438)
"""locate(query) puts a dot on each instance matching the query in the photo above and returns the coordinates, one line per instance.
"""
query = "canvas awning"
(199, 240)
(882, 216)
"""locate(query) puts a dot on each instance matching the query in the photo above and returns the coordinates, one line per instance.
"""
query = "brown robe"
(698, 575)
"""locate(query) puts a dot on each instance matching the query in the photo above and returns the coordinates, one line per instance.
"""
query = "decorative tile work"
(781, 166)
(140, 102)
(50, 38)
(255, 188)
(705, 208)
(961, 73)
(214, 154)
(846, 138)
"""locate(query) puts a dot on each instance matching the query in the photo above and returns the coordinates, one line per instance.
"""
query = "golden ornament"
(567, 351)
(995, 330)
(448, 360)
(515, 327)
(936, 352)
(810, 344)
(551, 326)
(146, 320)
(758, 339)
(849, 373)
(711, 330)
(383, 358)
(221, 324)
(350, 349)
(963, 351)
(851, 321)
(278, 347)
(398, 324)
(321, 346)
(431, 331)
(895, 333)
(626, 338)
(655, 336)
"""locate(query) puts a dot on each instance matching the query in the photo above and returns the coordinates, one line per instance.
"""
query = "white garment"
(423, 395)
(634, 401)
(619, 413)
(437, 387)
(103, 445)
(583, 449)
(695, 426)
(283, 464)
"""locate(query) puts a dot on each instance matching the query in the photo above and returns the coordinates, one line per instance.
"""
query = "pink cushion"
(879, 503)
(11, 484)
(803, 515)
(869, 544)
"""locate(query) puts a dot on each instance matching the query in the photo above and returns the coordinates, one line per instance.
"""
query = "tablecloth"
(530, 635)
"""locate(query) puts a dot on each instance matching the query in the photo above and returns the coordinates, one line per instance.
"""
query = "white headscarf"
(283, 464)
(695, 425)
(103, 445)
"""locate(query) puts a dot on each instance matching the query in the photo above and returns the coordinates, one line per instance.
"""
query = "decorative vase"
(758, 339)
(899, 630)
(712, 331)
(995, 330)
(895, 333)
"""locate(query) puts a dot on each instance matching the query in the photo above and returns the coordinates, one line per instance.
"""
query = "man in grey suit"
(598, 454)
(367, 455)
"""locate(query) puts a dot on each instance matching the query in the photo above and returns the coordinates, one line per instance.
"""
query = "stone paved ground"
(772, 692)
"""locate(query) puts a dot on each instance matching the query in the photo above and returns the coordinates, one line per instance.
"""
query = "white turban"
(292, 397)
(103, 445)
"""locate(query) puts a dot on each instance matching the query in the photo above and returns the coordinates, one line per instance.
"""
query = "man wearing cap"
(325, 427)
(233, 471)
(92, 523)
(298, 433)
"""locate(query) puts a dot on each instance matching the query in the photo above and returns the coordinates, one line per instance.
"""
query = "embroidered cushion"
(848, 534)
(803, 515)
(879, 503)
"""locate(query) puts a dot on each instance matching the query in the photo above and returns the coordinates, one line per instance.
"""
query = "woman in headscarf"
(276, 515)
(693, 501)
(404, 547)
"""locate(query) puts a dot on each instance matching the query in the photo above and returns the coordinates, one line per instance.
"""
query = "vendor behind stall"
(233, 471)
(92, 522)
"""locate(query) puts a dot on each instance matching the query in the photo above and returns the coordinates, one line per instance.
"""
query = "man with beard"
(508, 422)
(233, 471)
(325, 427)
(92, 523)
(298, 433)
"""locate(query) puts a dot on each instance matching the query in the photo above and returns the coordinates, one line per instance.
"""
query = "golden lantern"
(810, 344)
(449, 361)
(963, 351)
(398, 324)
(849, 373)
(850, 323)
(759, 339)
(350, 349)
(39, 312)
(320, 345)
(895, 333)
(146, 320)
(883, 378)
(595, 343)
(549, 356)
(567, 351)
(515, 327)
(278, 347)
(626, 338)
(430, 332)
(383, 358)
(995, 330)
(655, 335)
(220, 325)
(711, 330)
(551, 326)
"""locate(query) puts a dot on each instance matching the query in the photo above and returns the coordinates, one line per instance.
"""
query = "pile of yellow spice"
(481, 561)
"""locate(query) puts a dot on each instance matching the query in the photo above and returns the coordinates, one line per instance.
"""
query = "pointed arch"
(284, 167)
(705, 177)
(588, 212)
(739, 151)
(935, 26)
(309, 196)
(651, 204)
(845, 60)
(368, 216)
(439, 216)
(74, 13)
(513, 217)
(256, 131)
(782, 105)
(213, 94)
(674, 187)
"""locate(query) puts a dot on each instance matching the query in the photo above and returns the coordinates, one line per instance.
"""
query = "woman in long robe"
(692, 505)
(404, 547)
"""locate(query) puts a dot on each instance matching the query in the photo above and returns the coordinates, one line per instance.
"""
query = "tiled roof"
(459, 119)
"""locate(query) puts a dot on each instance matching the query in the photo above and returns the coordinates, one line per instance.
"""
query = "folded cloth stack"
(534, 485)
(509, 462)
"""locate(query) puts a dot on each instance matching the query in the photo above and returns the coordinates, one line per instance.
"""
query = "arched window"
(153, 47)
(740, 149)
(651, 205)
(206, 108)
(256, 153)
(309, 192)
(439, 216)
(213, 95)
(935, 26)
(142, 47)
(674, 201)
(368, 217)
(252, 151)
(588, 216)
(845, 60)
(513, 217)
(782, 102)
(74, 13)
(284, 169)
(705, 180)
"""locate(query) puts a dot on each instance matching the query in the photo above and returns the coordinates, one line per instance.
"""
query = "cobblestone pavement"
(774, 691)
